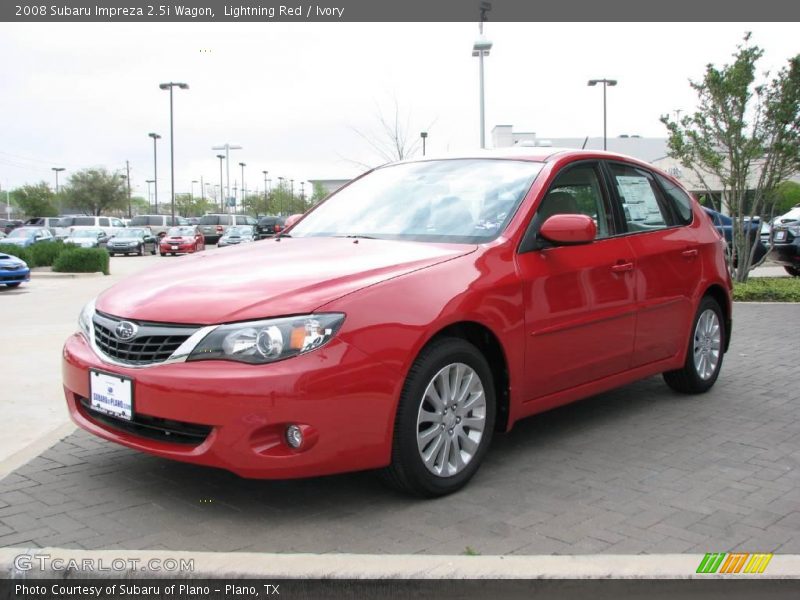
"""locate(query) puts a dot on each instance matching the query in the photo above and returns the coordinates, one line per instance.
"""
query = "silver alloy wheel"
(707, 344)
(451, 420)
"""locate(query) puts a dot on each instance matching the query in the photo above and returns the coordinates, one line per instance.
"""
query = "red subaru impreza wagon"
(413, 313)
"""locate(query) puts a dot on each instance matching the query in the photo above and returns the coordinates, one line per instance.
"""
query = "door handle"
(689, 254)
(622, 267)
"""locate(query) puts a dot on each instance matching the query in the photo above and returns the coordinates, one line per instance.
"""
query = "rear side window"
(679, 200)
(209, 220)
(139, 221)
(643, 206)
(104, 222)
(83, 222)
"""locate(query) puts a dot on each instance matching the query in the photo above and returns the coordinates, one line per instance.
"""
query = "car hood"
(16, 241)
(282, 277)
(11, 261)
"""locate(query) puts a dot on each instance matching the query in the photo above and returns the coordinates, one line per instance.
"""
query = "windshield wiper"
(357, 236)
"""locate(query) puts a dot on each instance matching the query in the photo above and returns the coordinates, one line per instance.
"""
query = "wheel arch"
(485, 340)
(717, 292)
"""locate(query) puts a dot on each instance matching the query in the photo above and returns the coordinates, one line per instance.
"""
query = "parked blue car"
(13, 271)
(28, 236)
(724, 224)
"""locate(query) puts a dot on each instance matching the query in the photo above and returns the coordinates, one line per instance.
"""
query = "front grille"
(154, 342)
(11, 268)
(154, 428)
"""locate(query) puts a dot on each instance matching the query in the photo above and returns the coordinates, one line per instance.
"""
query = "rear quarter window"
(679, 200)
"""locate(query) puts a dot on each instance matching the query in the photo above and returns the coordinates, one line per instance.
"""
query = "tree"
(744, 133)
(35, 200)
(786, 197)
(95, 191)
(319, 193)
(188, 206)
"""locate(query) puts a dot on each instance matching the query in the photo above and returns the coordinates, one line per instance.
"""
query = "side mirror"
(568, 230)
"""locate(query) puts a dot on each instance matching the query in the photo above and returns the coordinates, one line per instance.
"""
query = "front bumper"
(344, 402)
(167, 248)
(787, 254)
(15, 276)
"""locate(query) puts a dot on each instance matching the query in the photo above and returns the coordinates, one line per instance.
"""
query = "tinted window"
(680, 201)
(83, 222)
(642, 205)
(104, 222)
(209, 220)
(139, 221)
(576, 190)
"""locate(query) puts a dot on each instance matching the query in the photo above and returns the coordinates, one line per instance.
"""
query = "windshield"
(181, 232)
(133, 233)
(85, 233)
(240, 231)
(21, 233)
(462, 201)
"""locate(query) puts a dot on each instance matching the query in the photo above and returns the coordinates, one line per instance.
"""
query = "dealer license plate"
(174, 247)
(780, 236)
(111, 394)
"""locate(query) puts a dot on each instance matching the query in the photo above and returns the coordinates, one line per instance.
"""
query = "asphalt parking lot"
(636, 470)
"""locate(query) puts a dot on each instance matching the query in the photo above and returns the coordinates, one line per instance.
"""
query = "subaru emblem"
(126, 330)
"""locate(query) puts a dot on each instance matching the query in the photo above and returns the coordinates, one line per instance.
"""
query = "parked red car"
(185, 239)
(408, 317)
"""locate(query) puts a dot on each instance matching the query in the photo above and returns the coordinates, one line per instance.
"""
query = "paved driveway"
(637, 470)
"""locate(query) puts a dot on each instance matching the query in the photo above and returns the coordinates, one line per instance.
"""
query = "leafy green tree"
(318, 194)
(786, 196)
(35, 200)
(140, 206)
(744, 133)
(95, 191)
(186, 206)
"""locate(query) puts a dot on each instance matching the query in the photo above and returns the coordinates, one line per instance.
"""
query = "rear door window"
(680, 202)
(643, 206)
(104, 222)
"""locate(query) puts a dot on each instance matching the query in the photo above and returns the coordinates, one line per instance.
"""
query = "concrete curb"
(240, 565)
(35, 448)
(52, 275)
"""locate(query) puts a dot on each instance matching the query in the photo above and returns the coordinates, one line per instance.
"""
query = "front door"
(579, 300)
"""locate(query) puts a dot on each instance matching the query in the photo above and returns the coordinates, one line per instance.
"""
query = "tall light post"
(58, 170)
(424, 136)
(243, 165)
(155, 137)
(193, 182)
(169, 86)
(280, 187)
(150, 192)
(480, 49)
(606, 83)
(227, 147)
(266, 205)
(221, 157)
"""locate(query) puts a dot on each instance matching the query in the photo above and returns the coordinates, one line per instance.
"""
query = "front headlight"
(794, 230)
(260, 342)
(85, 319)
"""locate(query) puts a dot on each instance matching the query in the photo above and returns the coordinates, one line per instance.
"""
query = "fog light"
(294, 436)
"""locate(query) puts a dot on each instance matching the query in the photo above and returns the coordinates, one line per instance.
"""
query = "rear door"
(667, 255)
(580, 309)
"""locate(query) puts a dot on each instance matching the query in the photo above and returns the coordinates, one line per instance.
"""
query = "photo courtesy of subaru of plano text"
(417, 311)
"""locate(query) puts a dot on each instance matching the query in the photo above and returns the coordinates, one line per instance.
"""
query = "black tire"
(14, 285)
(407, 471)
(153, 251)
(793, 271)
(112, 253)
(140, 252)
(687, 380)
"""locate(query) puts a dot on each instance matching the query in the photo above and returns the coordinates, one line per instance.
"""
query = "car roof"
(529, 153)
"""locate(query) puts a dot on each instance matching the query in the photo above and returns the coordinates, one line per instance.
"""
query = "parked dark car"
(786, 246)
(134, 240)
(28, 236)
(269, 226)
(6, 226)
(13, 271)
(724, 225)
(241, 234)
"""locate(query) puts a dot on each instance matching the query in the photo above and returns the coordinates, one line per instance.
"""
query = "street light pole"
(424, 136)
(58, 197)
(149, 192)
(169, 86)
(221, 157)
(606, 83)
(193, 182)
(480, 49)
(155, 137)
(227, 147)
(280, 187)
(128, 177)
(266, 202)
(243, 165)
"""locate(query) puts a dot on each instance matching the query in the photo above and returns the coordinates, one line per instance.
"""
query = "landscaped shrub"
(13, 250)
(768, 289)
(44, 254)
(82, 260)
